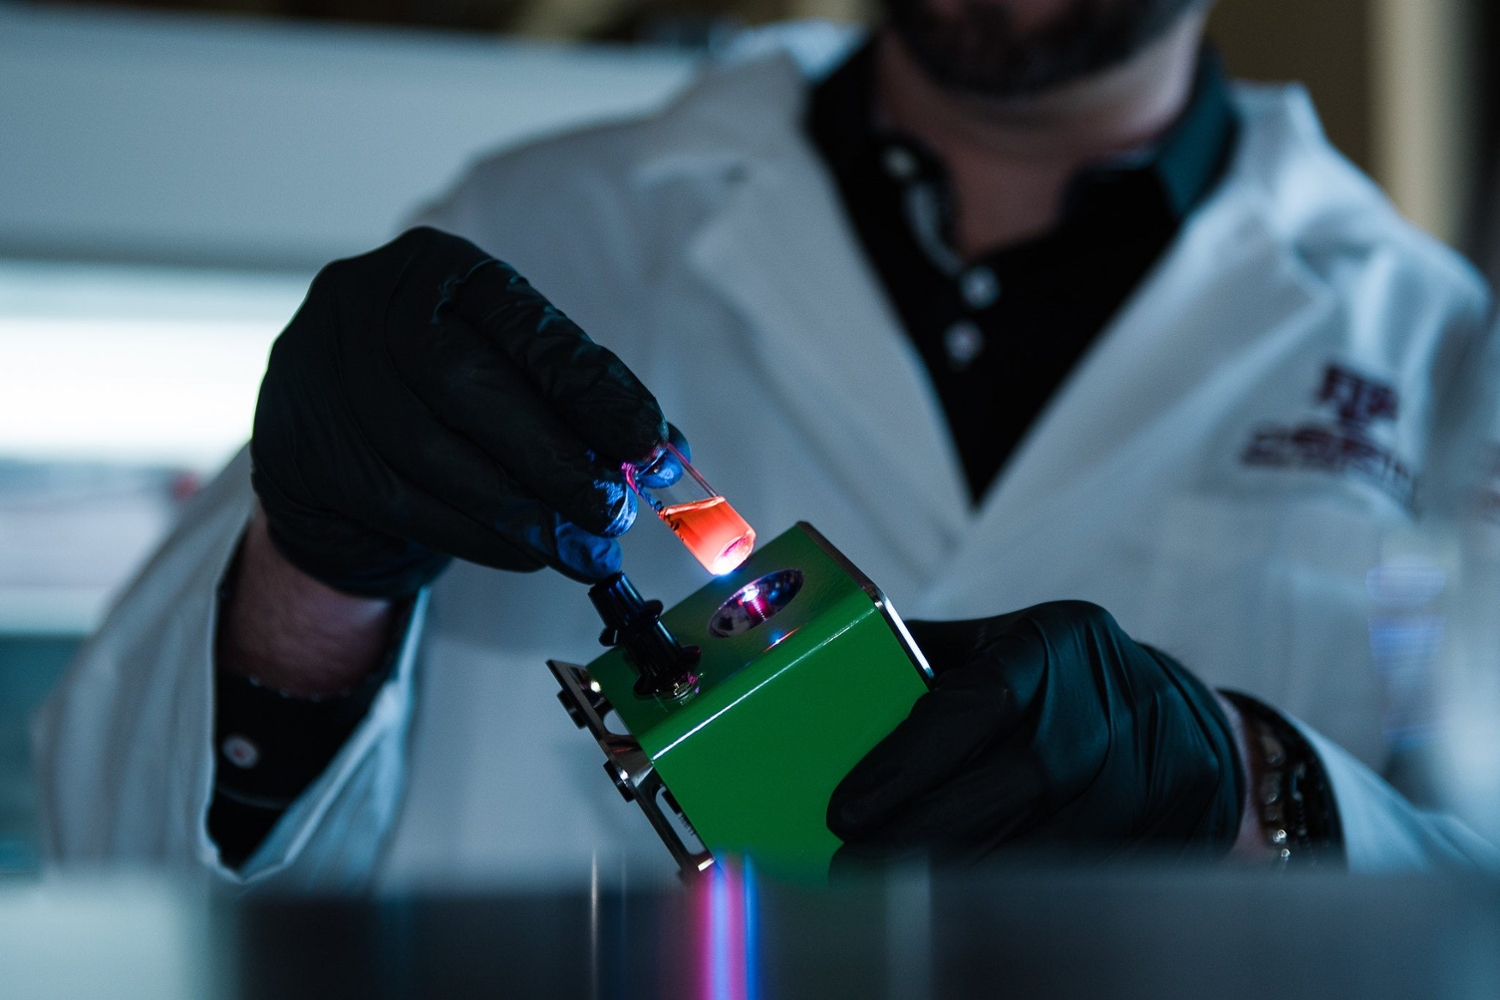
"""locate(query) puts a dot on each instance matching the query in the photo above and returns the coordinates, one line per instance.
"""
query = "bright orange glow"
(713, 532)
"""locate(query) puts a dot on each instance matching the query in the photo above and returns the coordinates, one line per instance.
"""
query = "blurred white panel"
(142, 136)
(137, 390)
(72, 534)
(130, 364)
(121, 388)
(122, 940)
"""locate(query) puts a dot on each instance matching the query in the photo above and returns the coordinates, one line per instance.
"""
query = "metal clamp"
(626, 763)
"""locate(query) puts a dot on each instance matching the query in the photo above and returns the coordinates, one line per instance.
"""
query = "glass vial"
(712, 530)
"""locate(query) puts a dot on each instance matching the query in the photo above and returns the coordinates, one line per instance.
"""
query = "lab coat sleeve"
(1384, 833)
(563, 213)
(123, 748)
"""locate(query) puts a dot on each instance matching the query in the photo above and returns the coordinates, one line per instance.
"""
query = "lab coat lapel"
(1164, 371)
(781, 253)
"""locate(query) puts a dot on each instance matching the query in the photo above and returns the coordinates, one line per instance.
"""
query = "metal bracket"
(626, 763)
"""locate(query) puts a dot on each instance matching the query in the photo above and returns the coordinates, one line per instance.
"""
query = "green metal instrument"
(804, 666)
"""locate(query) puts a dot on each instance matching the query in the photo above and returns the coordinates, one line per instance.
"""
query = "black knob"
(664, 665)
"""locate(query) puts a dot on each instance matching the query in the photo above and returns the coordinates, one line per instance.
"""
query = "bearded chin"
(979, 51)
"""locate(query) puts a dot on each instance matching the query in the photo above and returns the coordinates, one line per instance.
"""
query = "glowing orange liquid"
(713, 532)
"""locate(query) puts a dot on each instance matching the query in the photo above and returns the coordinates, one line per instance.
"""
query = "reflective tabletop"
(735, 936)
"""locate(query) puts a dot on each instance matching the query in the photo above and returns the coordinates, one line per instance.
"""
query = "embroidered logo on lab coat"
(1344, 442)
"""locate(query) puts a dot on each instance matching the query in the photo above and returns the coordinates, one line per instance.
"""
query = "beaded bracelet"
(1290, 790)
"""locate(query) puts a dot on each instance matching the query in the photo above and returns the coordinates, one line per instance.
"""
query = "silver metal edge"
(628, 764)
(924, 669)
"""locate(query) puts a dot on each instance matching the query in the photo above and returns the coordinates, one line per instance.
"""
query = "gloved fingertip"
(846, 824)
(849, 812)
(647, 432)
(620, 507)
(679, 441)
(584, 556)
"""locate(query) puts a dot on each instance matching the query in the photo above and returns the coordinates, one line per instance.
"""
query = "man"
(1020, 304)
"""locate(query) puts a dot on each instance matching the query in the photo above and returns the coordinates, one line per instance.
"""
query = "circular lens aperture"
(755, 602)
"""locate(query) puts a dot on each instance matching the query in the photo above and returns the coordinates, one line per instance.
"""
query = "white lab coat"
(707, 246)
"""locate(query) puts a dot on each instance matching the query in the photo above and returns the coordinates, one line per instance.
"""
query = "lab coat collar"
(1170, 363)
(778, 250)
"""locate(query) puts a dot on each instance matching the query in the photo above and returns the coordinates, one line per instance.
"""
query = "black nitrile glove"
(1048, 730)
(426, 402)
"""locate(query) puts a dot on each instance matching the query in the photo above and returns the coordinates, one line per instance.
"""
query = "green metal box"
(788, 700)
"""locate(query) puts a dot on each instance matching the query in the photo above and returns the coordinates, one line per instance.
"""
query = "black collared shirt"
(999, 334)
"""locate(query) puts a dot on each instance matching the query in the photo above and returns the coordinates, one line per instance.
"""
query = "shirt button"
(964, 342)
(240, 752)
(980, 287)
(900, 163)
